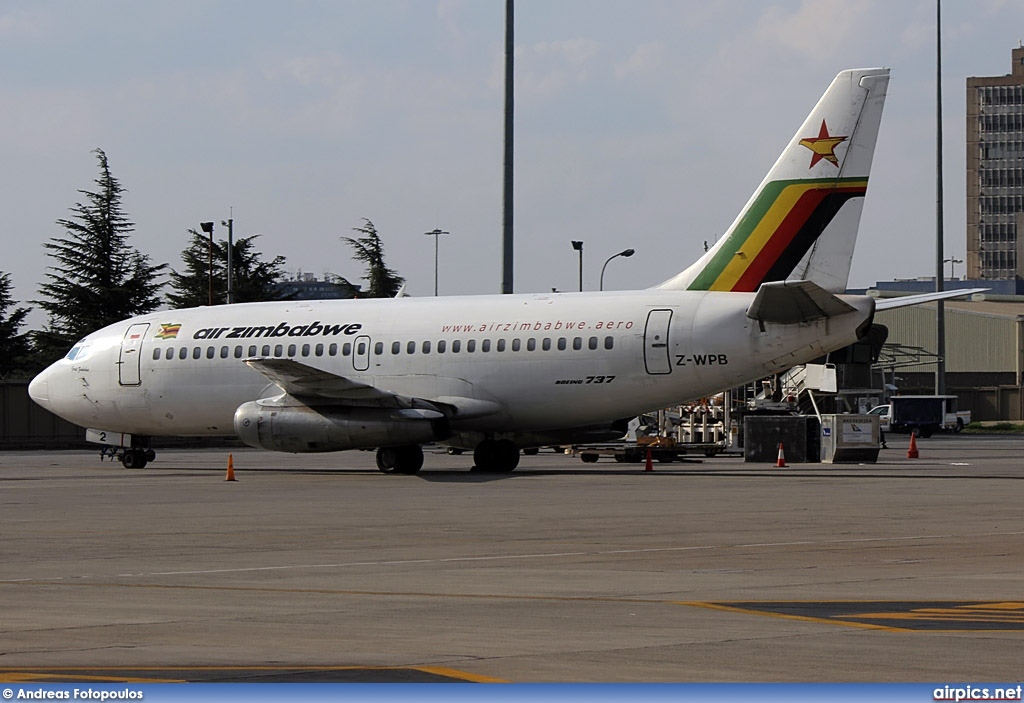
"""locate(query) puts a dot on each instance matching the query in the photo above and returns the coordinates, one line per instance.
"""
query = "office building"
(995, 174)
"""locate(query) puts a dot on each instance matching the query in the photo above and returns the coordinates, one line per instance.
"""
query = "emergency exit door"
(656, 349)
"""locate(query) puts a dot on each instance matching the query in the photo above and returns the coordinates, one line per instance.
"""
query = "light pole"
(578, 246)
(208, 228)
(435, 233)
(625, 252)
(952, 261)
(230, 224)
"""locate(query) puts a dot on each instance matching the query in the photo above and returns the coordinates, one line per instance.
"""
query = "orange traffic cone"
(650, 464)
(780, 463)
(231, 469)
(912, 451)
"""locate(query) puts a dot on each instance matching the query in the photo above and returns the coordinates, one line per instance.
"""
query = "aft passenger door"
(129, 362)
(656, 350)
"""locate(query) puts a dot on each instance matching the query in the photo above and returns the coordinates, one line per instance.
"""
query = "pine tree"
(14, 346)
(254, 279)
(383, 282)
(97, 278)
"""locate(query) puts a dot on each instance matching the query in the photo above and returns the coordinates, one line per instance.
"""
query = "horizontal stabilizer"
(905, 300)
(792, 302)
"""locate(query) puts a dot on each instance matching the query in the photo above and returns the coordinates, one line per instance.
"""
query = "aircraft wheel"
(410, 459)
(387, 459)
(454, 451)
(531, 451)
(133, 459)
(496, 456)
(400, 460)
(150, 455)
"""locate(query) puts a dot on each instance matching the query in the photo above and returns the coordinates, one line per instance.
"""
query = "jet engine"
(302, 428)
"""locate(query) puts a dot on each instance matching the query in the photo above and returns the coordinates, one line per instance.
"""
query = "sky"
(640, 123)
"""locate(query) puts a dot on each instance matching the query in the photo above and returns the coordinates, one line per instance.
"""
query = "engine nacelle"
(334, 428)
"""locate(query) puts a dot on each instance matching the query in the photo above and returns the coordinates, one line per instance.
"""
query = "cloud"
(648, 58)
(545, 68)
(817, 29)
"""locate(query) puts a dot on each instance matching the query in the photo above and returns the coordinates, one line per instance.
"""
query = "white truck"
(924, 414)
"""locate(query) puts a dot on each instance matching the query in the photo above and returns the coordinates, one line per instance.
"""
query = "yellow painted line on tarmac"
(788, 616)
(95, 673)
(890, 616)
(57, 675)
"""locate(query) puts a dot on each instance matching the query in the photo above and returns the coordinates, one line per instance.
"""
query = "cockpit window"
(78, 352)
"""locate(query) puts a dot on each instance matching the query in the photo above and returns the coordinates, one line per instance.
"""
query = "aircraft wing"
(302, 381)
(790, 302)
(903, 301)
(307, 384)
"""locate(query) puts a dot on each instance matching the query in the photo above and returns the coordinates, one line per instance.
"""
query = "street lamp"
(578, 246)
(208, 228)
(230, 224)
(435, 233)
(952, 261)
(625, 252)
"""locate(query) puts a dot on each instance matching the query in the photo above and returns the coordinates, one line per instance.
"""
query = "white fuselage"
(538, 362)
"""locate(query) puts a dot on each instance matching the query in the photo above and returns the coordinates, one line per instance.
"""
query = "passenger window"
(378, 348)
(441, 345)
(470, 346)
(305, 350)
(291, 350)
(456, 346)
(252, 350)
(211, 352)
(426, 347)
(238, 352)
(531, 344)
(224, 352)
(546, 344)
(278, 350)
(396, 347)
(197, 352)
(609, 342)
(515, 345)
(318, 350)
(361, 348)
(346, 349)
(501, 345)
(592, 343)
(562, 343)
(485, 345)
(577, 343)
(183, 353)
(332, 350)
(156, 353)
(266, 350)
(410, 348)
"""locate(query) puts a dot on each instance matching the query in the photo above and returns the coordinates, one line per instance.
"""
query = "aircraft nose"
(39, 389)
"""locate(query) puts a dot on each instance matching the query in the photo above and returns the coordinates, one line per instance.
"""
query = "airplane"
(499, 373)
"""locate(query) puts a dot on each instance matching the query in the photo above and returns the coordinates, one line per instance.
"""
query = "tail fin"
(801, 222)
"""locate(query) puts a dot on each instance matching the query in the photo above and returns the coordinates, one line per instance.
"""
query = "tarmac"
(320, 568)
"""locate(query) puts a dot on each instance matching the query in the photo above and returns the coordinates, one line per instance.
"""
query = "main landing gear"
(498, 456)
(400, 460)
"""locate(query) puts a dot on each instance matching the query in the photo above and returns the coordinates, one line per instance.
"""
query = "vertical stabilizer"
(801, 222)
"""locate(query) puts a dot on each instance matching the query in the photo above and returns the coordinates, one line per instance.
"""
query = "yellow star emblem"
(823, 146)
